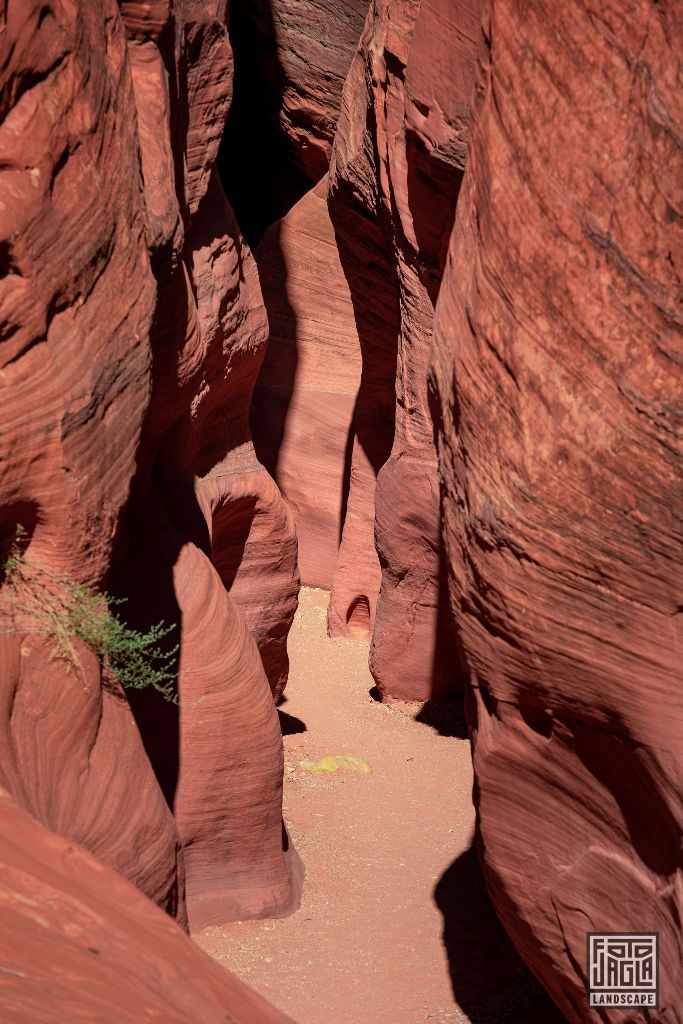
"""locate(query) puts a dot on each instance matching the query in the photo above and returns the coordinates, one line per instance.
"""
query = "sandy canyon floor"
(395, 926)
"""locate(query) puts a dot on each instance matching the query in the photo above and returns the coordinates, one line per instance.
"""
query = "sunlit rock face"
(81, 944)
(303, 405)
(557, 364)
(133, 331)
(394, 181)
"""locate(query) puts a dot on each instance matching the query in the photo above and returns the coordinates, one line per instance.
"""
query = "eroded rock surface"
(359, 293)
(304, 52)
(303, 405)
(558, 370)
(81, 944)
(133, 331)
(396, 171)
(76, 302)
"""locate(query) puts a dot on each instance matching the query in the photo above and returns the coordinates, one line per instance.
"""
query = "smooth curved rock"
(558, 371)
(306, 410)
(239, 862)
(65, 736)
(303, 404)
(232, 323)
(249, 521)
(357, 574)
(81, 944)
(396, 171)
(291, 59)
(76, 301)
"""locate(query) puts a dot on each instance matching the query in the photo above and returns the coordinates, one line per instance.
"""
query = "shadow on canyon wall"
(490, 981)
(147, 548)
(262, 182)
(255, 163)
(374, 295)
(271, 401)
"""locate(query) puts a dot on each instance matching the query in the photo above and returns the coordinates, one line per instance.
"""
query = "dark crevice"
(255, 162)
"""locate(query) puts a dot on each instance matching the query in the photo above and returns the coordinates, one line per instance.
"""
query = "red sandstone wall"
(558, 371)
(133, 331)
(291, 59)
(394, 180)
(81, 944)
(76, 302)
(303, 55)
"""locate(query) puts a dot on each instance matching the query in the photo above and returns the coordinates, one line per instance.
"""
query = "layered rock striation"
(133, 331)
(76, 304)
(354, 453)
(491, 190)
(396, 171)
(557, 366)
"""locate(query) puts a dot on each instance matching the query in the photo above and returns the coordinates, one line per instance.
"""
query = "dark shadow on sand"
(446, 715)
(290, 724)
(490, 981)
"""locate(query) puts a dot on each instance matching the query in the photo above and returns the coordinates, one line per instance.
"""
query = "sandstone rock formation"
(534, 562)
(303, 405)
(76, 301)
(558, 370)
(199, 502)
(394, 180)
(291, 60)
(80, 944)
(133, 331)
(63, 746)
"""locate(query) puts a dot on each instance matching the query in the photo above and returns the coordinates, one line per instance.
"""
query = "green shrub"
(65, 610)
(135, 659)
(15, 557)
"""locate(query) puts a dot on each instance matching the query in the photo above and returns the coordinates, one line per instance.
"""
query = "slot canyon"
(341, 511)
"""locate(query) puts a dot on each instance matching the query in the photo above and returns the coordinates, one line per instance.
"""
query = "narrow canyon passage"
(341, 390)
(394, 918)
